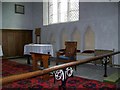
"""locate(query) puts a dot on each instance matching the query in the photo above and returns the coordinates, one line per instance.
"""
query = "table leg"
(34, 64)
(45, 65)
(45, 61)
(28, 60)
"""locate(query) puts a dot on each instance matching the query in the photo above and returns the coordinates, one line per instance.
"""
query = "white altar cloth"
(1, 52)
(38, 48)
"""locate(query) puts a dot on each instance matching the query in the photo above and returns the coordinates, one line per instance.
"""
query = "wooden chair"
(68, 54)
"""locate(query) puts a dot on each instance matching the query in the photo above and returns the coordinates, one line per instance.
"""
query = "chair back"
(71, 47)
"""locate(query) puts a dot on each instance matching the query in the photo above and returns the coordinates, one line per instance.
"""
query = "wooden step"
(115, 77)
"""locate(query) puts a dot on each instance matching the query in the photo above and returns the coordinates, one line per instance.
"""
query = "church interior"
(60, 45)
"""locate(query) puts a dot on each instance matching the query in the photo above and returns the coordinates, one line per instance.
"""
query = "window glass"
(60, 11)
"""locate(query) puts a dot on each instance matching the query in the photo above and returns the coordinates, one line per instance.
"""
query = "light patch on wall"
(89, 39)
(76, 37)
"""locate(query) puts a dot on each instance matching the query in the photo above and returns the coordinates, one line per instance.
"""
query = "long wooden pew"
(13, 78)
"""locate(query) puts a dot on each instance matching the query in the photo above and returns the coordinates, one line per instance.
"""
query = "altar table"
(38, 48)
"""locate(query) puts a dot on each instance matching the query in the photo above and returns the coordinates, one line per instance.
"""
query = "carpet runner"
(12, 68)
(73, 83)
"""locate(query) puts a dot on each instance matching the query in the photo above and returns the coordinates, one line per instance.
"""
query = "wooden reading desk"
(39, 52)
(39, 57)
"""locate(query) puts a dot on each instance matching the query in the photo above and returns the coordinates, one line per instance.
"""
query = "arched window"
(59, 11)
